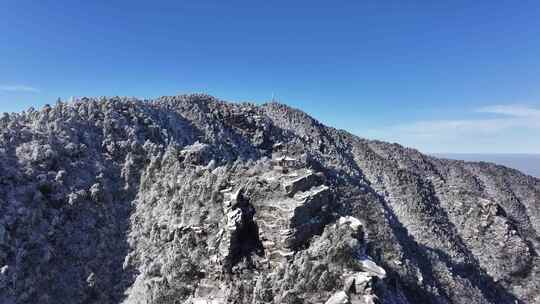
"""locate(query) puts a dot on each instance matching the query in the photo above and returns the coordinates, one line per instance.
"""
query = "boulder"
(368, 265)
(339, 297)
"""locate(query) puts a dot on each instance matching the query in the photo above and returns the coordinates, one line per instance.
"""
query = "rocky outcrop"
(189, 199)
(240, 236)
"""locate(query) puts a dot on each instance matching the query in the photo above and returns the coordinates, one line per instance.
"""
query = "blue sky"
(440, 76)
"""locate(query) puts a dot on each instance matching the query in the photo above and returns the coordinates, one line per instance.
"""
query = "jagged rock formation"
(188, 199)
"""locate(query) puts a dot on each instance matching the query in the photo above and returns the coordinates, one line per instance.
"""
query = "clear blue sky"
(441, 76)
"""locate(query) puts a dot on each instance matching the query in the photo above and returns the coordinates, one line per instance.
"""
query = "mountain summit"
(188, 199)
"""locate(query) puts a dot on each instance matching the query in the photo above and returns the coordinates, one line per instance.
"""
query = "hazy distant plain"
(526, 163)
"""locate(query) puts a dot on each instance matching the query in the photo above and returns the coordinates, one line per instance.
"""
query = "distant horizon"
(479, 153)
(524, 162)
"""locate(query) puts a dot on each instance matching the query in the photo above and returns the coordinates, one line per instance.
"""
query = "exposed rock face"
(192, 200)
